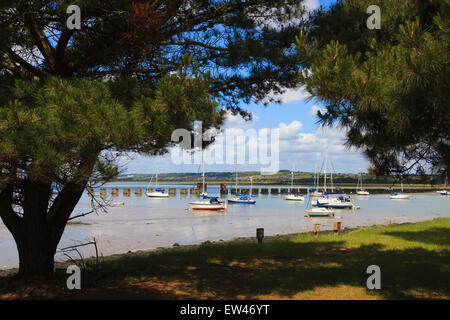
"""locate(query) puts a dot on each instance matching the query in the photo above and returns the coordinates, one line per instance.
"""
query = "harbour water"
(145, 223)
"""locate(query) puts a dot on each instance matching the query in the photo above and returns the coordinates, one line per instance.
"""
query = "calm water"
(145, 223)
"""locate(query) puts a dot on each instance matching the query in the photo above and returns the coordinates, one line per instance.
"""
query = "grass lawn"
(414, 260)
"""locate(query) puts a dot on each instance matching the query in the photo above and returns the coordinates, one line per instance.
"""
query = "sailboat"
(242, 198)
(316, 192)
(158, 193)
(444, 192)
(399, 195)
(207, 203)
(361, 191)
(318, 212)
(339, 201)
(293, 196)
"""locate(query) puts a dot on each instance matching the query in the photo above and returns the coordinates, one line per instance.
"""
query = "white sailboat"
(242, 198)
(207, 203)
(444, 192)
(293, 196)
(158, 193)
(319, 212)
(316, 192)
(361, 191)
(399, 195)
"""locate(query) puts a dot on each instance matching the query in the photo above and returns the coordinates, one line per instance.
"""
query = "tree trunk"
(37, 248)
(36, 257)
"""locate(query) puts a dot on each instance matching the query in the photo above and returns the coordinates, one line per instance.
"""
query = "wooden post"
(260, 234)
(336, 227)
(316, 229)
(138, 192)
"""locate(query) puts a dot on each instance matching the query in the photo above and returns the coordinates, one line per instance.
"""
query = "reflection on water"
(145, 223)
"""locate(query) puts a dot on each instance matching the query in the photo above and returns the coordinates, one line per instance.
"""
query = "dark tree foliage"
(388, 87)
(72, 100)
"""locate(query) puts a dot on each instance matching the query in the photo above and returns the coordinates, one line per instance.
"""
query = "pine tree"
(388, 87)
(73, 99)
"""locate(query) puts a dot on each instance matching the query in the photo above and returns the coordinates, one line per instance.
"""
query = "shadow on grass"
(279, 269)
(439, 236)
(275, 270)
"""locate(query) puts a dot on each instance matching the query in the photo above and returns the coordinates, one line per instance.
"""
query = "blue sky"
(303, 142)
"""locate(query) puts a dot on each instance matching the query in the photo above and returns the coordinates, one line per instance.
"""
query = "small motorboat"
(320, 212)
(294, 197)
(118, 204)
(242, 198)
(362, 192)
(212, 204)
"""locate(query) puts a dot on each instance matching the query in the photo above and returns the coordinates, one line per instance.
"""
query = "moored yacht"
(158, 193)
(399, 195)
(293, 196)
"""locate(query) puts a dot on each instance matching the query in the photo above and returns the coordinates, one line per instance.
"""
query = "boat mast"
(331, 176)
(325, 172)
(203, 174)
(236, 179)
(251, 185)
(292, 179)
(362, 183)
(317, 177)
(314, 179)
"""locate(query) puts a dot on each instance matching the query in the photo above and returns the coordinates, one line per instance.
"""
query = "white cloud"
(292, 95)
(311, 4)
(315, 108)
(289, 131)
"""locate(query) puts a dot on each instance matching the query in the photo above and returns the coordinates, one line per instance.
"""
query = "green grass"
(414, 261)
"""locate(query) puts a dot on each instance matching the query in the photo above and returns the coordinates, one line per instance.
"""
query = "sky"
(302, 142)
